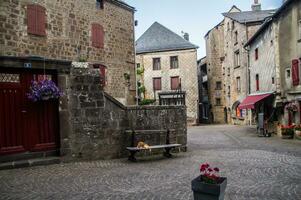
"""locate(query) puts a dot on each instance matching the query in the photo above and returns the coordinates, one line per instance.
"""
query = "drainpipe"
(136, 82)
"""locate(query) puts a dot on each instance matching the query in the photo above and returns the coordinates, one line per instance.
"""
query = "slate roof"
(158, 38)
(250, 16)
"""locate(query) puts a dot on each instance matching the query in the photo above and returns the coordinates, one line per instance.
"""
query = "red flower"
(216, 169)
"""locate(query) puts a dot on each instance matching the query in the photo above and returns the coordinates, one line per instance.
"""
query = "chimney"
(186, 36)
(256, 6)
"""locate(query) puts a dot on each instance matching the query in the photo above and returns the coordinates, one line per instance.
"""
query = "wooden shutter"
(31, 19)
(41, 20)
(174, 83)
(36, 20)
(102, 70)
(157, 83)
(295, 72)
(97, 36)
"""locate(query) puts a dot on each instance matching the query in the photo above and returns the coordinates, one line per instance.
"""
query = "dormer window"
(99, 4)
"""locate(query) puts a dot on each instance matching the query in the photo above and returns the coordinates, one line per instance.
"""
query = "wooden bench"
(167, 146)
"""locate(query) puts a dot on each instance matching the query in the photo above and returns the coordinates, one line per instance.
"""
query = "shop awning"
(250, 101)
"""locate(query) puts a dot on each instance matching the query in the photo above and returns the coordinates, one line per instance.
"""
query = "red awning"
(250, 101)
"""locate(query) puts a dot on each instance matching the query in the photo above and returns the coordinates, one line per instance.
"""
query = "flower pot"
(205, 191)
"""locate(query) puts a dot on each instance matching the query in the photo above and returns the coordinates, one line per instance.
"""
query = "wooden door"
(26, 126)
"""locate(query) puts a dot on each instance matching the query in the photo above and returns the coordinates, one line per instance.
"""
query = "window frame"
(218, 101)
(218, 83)
(237, 59)
(154, 64)
(97, 35)
(238, 84)
(172, 61)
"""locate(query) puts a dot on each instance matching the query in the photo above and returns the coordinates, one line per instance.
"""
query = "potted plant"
(287, 132)
(43, 90)
(209, 185)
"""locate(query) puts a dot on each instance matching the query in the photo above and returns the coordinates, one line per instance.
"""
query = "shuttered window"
(97, 36)
(175, 83)
(295, 72)
(157, 84)
(36, 20)
(102, 73)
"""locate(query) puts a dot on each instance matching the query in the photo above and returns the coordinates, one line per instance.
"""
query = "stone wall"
(68, 37)
(94, 124)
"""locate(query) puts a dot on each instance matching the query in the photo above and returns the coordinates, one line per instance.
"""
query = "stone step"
(27, 156)
(30, 163)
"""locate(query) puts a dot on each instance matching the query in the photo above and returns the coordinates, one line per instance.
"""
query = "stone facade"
(187, 72)
(278, 44)
(237, 71)
(68, 37)
(215, 56)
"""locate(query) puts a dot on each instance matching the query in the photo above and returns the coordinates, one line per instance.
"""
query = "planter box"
(204, 191)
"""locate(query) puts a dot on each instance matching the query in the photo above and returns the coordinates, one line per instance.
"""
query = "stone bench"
(167, 146)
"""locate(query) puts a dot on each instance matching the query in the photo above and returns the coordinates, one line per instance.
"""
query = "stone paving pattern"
(257, 169)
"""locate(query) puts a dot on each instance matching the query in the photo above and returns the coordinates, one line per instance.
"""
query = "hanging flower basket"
(293, 107)
(43, 90)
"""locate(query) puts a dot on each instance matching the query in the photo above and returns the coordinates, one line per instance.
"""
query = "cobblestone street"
(257, 168)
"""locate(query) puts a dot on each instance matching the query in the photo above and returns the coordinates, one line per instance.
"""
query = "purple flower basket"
(43, 90)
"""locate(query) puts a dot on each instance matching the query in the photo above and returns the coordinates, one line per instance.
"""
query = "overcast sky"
(193, 16)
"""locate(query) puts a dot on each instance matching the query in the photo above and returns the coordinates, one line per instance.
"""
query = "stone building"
(240, 26)
(100, 32)
(46, 38)
(216, 88)
(275, 52)
(170, 65)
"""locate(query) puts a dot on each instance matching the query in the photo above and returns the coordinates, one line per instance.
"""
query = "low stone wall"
(93, 125)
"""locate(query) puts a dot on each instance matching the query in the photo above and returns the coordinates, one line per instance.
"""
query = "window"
(157, 84)
(229, 91)
(156, 64)
(233, 25)
(175, 83)
(36, 20)
(99, 4)
(257, 82)
(218, 102)
(236, 59)
(256, 54)
(174, 63)
(97, 36)
(295, 72)
(273, 80)
(218, 85)
(236, 37)
(288, 73)
(238, 86)
(102, 73)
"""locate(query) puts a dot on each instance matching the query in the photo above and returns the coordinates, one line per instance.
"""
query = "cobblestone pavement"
(257, 169)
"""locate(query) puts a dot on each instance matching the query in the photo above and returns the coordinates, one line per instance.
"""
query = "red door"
(25, 126)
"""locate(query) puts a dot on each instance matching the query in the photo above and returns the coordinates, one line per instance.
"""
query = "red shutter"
(295, 72)
(31, 19)
(97, 36)
(102, 70)
(41, 20)
(174, 83)
(157, 83)
(36, 20)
